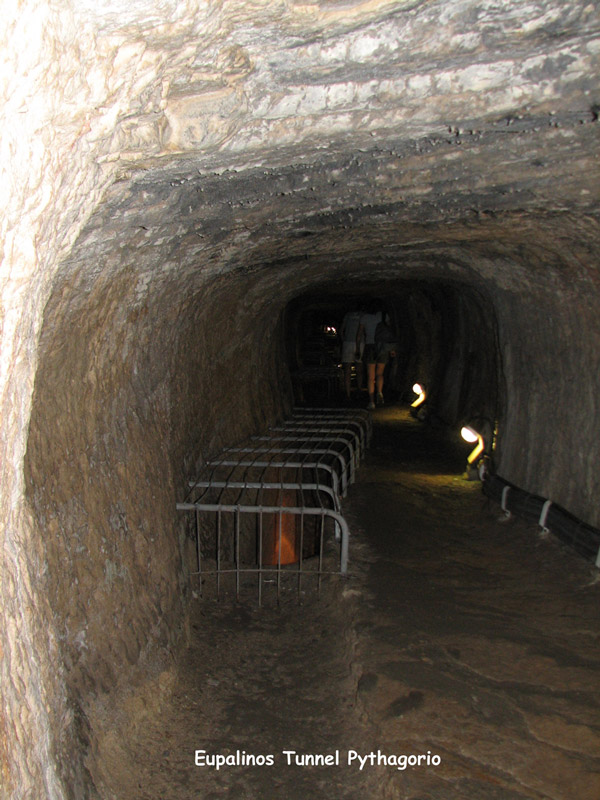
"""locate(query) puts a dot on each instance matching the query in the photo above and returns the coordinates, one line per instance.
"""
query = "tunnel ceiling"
(354, 137)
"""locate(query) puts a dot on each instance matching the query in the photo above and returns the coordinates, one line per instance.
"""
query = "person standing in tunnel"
(351, 351)
(375, 331)
(366, 333)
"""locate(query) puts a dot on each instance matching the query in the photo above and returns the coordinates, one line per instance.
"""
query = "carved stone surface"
(174, 175)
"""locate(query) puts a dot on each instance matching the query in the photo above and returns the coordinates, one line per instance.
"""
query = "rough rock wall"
(134, 383)
(58, 112)
(551, 350)
(448, 343)
(279, 142)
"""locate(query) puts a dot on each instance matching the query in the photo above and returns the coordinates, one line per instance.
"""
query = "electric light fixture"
(471, 435)
(420, 392)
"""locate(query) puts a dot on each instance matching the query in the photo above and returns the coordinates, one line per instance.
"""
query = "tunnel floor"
(460, 638)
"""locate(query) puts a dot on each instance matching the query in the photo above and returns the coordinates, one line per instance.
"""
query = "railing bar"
(299, 430)
(254, 509)
(320, 437)
(318, 488)
(345, 533)
(337, 437)
(360, 416)
(331, 413)
(319, 419)
(303, 428)
(331, 423)
(316, 465)
(299, 451)
(250, 570)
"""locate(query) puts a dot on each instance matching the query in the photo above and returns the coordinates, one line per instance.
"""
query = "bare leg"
(379, 378)
(371, 383)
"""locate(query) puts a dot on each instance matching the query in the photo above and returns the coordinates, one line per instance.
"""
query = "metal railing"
(320, 454)
(334, 416)
(297, 429)
(267, 513)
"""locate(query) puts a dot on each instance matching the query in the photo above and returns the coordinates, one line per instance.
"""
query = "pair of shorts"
(378, 353)
(370, 354)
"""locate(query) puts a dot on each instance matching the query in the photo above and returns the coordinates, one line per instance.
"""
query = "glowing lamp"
(471, 435)
(468, 434)
(420, 392)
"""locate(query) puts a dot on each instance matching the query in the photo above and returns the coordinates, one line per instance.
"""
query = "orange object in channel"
(280, 537)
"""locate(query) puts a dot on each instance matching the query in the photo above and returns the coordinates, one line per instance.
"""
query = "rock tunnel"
(183, 179)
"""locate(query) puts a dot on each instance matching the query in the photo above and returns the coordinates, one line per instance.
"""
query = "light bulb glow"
(418, 390)
(468, 434)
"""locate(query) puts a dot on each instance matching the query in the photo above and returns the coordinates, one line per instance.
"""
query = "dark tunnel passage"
(447, 342)
(196, 194)
(121, 421)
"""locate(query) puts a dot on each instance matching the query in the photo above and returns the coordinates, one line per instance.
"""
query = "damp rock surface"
(255, 682)
(174, 175)
(436, 646)
(483, 644)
